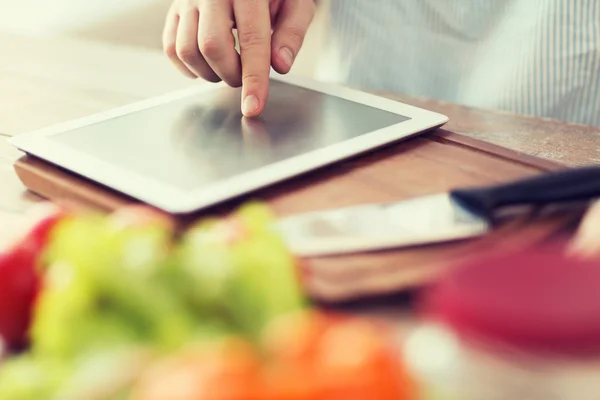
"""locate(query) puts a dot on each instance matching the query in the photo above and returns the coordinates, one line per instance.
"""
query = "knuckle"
(187, 53)
(294, 34)
(170, 49)
(251, 79)
(211, 46)
(187, 5)
(252, 40)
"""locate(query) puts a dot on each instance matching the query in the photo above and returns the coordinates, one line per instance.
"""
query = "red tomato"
(228, 371)
(19, 278)
(38, 225)
(18, 287)
(44, 222)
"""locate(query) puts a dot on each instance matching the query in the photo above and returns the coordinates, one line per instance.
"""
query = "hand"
(587, 239)
(198, 38)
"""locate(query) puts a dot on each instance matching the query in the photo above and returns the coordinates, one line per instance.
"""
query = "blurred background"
(120, 22)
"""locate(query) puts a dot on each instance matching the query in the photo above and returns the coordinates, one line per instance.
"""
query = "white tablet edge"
(178, 201)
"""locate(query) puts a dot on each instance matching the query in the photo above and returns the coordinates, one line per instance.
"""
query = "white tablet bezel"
(177, 201)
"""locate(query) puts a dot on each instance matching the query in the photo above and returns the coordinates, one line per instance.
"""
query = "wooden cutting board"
(427, 164)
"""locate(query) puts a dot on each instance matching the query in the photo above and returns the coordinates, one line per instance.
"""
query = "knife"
(449, 216)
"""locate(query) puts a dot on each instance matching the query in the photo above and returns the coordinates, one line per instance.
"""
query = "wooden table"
(43, 82)
(46, 81)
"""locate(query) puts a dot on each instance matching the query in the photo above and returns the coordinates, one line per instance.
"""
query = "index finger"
(253, 20)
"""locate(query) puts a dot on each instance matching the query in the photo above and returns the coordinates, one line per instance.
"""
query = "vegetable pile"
(119, 307)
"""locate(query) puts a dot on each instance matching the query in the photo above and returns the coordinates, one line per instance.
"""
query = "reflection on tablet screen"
(197, 140)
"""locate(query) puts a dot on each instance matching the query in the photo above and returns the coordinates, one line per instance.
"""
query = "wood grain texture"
(565, 143)
(51, 80)
(343, 278)
(417, 167)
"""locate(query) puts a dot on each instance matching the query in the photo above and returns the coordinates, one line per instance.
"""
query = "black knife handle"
(550, 188)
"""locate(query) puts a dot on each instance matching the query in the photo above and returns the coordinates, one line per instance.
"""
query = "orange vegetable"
(295, 337)
(355, 361)
(228, 371)
(312, 356)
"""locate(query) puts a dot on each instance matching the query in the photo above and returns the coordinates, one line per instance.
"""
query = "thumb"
(293, 20)
(586, 241)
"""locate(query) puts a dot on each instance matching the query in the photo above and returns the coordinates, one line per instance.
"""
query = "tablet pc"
(184, 151)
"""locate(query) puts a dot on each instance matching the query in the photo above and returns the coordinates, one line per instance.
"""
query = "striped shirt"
(535, 57)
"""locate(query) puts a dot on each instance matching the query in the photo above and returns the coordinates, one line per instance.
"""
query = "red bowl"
(539, 299)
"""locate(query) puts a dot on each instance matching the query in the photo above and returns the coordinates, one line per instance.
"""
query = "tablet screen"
(194, 141)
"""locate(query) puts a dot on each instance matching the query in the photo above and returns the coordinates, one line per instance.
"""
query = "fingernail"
(250, 104)
(287, 56)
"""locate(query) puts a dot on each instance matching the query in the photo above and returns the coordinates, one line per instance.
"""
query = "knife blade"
(460, 213)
